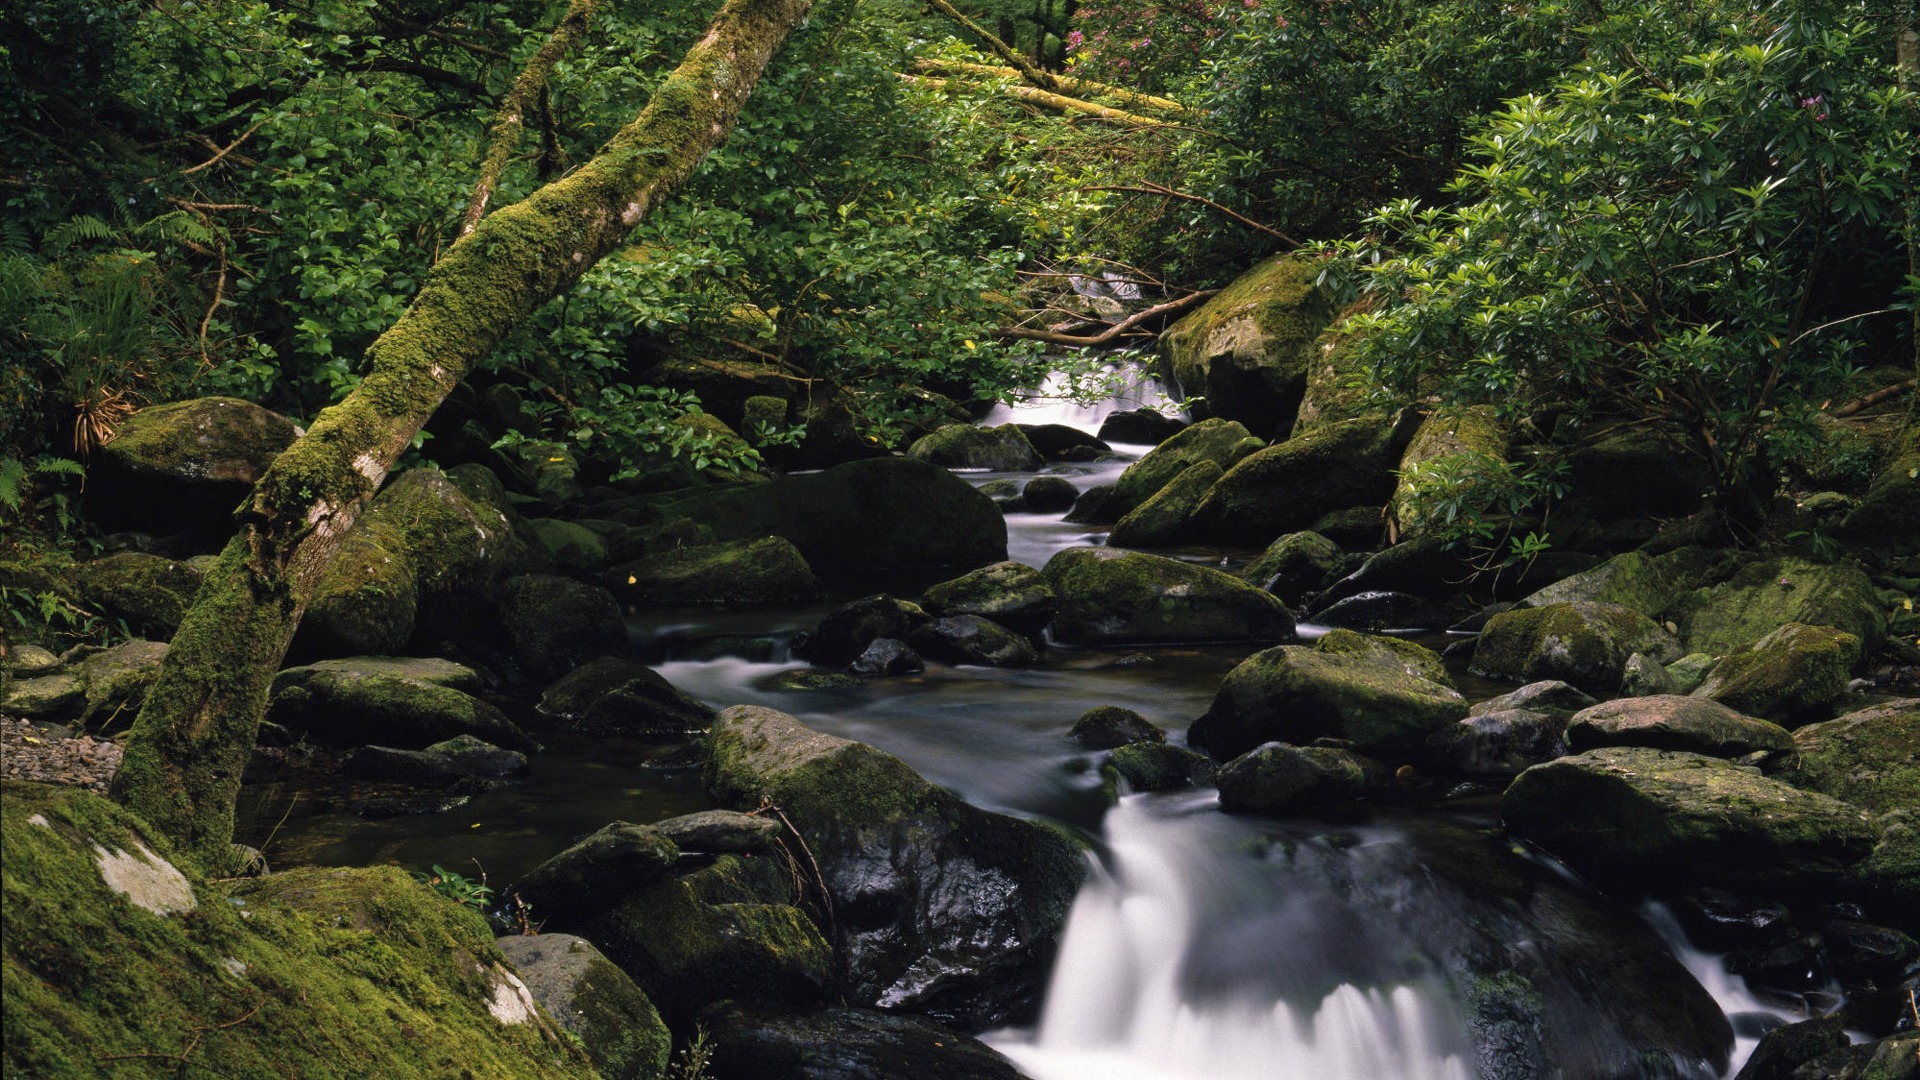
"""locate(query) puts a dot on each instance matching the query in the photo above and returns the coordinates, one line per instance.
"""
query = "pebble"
(30, 752)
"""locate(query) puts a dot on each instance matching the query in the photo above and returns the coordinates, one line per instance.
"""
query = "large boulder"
(1246, 351)
(1296, 566)
(184, 468)
(1499, 743)
(1217, 441)
(882, 513)
(1674, 722)
(617, 696)
(1632, 816)
(1112, 597)
(1583, 643)
(1139, 427)
(1276, 778)
(1290, 486)
(1646, 583)
(1012, 594)
(941, 908)
(1387, 697)
(1888, 515)
(1793, 675)
(1465, 442)
(418, 567)
(965, 446)
(1163, 520)
(1870, 758)
(769, 570)
(347, 705)
(615, 1022)
(148, 593)
(555, 624)
(115, 954)
(756, 1043)
(1769, 594)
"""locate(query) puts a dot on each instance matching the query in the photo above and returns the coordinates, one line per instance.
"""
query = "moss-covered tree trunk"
(181, 770)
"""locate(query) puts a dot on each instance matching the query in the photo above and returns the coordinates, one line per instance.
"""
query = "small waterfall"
(1131, 388)
(1177, 965)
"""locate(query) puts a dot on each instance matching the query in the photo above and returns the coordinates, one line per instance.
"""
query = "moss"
(769, 570)
(311, 973)
(758, 753)
(1793, 675)
(1583, 643)
(149, 593)
(1108, 596)
(1289, 486)
(1295, 565)
(1415, 659)
(1869, 758)
(1360, 689)
(1162, 520)
(1246, 351)
(1443, 439)
(1766, 595)
(1209, 440)
(1338, 384)
(964, 446)
(1010, 593)
(1631, 580)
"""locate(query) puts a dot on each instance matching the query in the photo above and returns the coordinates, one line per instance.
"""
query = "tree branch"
(524, 95)
(1059, 102)
(1148, 187)
(1045, 80)
(1112, 333)
(1081, 88)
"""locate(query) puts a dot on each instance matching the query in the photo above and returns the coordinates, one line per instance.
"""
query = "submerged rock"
(1112, 597)
(1631, 816)
(942, 908)
(462, 757)
(1385, 696)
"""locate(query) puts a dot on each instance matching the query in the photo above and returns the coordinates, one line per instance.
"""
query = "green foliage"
(1707, 235)
(1479, 500)
(693, 1060)
(460, 890)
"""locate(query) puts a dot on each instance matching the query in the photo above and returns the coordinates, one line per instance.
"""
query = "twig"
(214, 207)
(1042, 79)
(1148, 187)
(1111, 333)
(523, 96)
(225, 150)
(1868, 400)
(193, 1043)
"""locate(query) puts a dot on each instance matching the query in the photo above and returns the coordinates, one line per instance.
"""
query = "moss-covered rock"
(1163, 520)
(555, 624)
(1276, 778)
(1793, 675)
(147, 592)
(616, 1023)
(566, 545)
(1633, 579)
(942, 908)
(1012, 594)
(1582, 643)
(618, 696)
(344, 706)
(117, 679)
(1888, 515)
(877, 514)
(1870, 758)
(847, 630)
(1385, 696)
(1215, 440)
(117, 963)
(1104, 727)
(1247, 349)
(183, 468)
(1471, 437)
(1674, 722)
(1550, 696)
(1769, 594)
(965, 446)
(1290, 486)
(1296, 566)
(1112, 597)
(1154, 766)
(419, 566)
(970, 639)
(596, 872)
(1631, 816)
(1644, 676)
(769, 570)
(1339, 386)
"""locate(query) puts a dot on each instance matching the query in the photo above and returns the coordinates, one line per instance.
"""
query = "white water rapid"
(1127, 1003)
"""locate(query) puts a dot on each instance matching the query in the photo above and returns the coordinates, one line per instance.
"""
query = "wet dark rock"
(1279, 778)
(1550, 696)
(1012, 594)
(846, 632)
(596, 872)
(720, 831)
(1005, 494)
(1891, 1058)
(1500, 743)
(1379, 611)
(942, 908)
(1861, 951)
(617, 696)
(1355, 528)
(1056, 442)
(1049, 495)
(1295, 566)
(1793, 964)
(1583, 643)
(1112, 597)
(1156, 766)
(1674, 722)
(1386, 696)
(970, 639)
(1139, 427)
(1786, 1048)
(1721, 921)
(555, 624)
(844, 1044)
(596, 1001)
(1631, 816)
(459, 758)
(887, 656)
(965, 446)
(1107, 726)
(764, 570)
(345, 706)
(1095, 506)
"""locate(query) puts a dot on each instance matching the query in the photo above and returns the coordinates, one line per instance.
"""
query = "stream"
(1204, 946)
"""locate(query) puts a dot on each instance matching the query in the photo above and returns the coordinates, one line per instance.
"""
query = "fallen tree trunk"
(1057, 102)
(1084, 89)
(192, 738)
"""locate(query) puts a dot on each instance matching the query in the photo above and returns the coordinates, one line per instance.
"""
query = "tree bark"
(181, 770)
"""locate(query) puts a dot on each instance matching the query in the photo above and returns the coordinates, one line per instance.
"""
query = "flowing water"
(1203, 947)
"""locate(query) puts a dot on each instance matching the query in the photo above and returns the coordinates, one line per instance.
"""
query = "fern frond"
(78, 229)
(13, 476)
(58, 466)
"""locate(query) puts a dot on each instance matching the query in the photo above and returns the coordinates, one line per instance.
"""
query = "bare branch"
(1112, 333)
(1148, 187)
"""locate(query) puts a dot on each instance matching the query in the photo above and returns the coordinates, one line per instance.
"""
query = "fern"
(81, 228)
(14, 474)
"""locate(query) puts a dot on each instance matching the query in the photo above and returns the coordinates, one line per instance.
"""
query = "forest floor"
(31, 752)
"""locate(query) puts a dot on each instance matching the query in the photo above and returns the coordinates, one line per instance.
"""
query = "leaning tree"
(191, 740)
